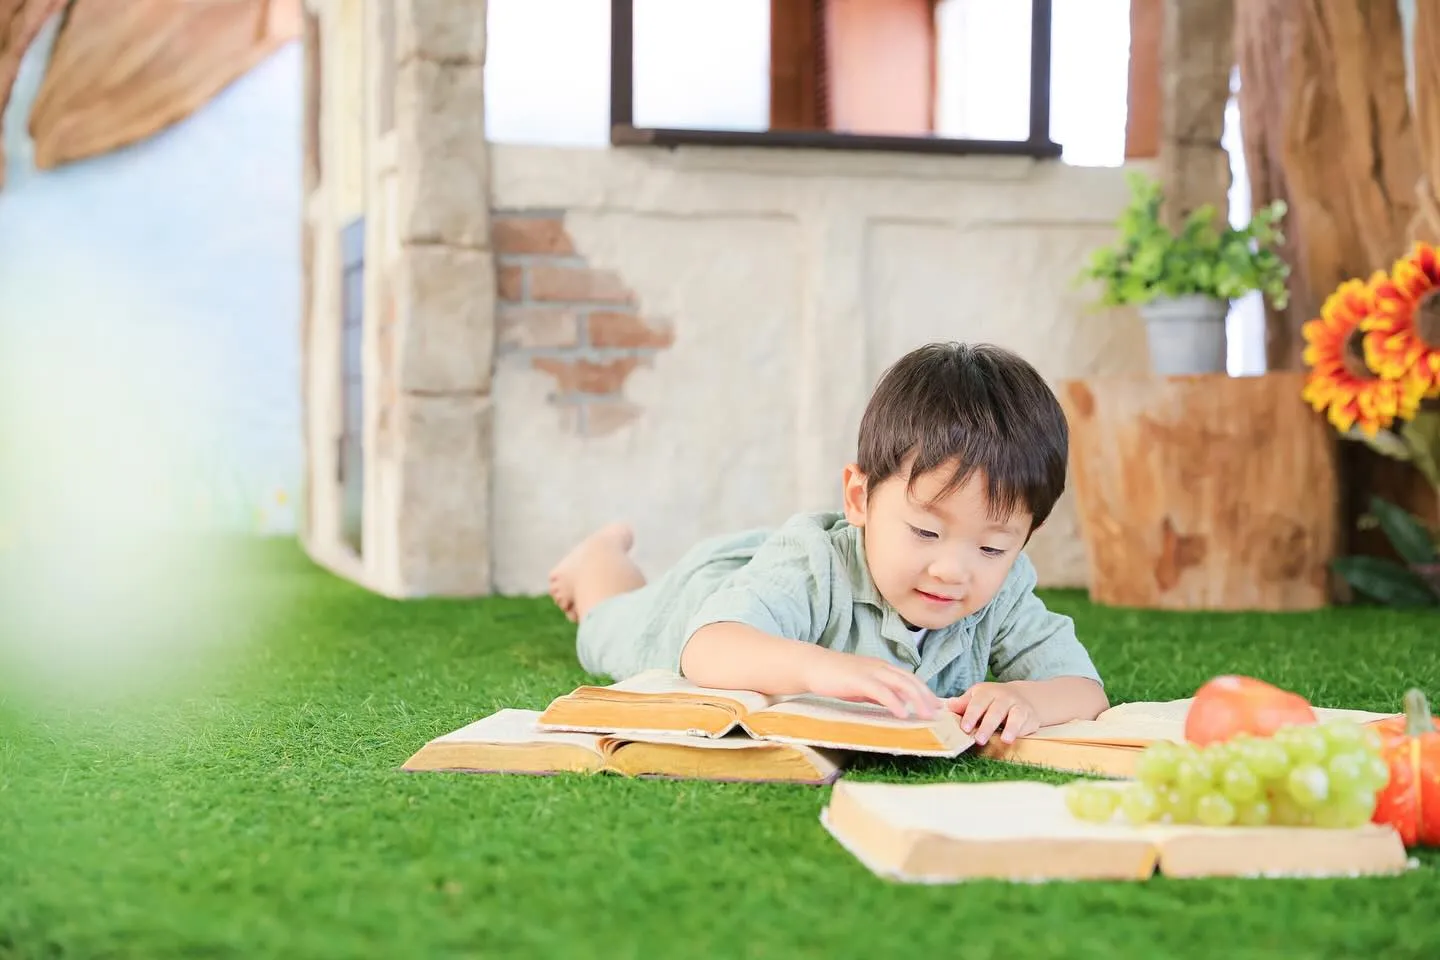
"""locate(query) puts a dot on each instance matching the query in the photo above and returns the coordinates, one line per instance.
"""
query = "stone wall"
(686, 338)
(429, 302)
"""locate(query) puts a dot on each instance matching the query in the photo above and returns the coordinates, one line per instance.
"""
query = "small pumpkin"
(1230, 705)
(1410, 801)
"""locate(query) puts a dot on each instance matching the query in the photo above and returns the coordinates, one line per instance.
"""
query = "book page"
(663, 683)
(1175, 711)
(845, 711)
(997, 810)
(1127, 731)
(511, 726)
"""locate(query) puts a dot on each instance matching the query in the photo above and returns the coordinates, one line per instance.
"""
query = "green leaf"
(1386, 581)
(1423, 435)
(1405, 532)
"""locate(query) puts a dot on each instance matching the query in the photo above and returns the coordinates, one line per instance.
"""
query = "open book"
(510, 741)
(1021, 831)
(1110, 744)
(658, 702)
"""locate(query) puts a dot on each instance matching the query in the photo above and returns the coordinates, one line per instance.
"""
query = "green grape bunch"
(1311, 775)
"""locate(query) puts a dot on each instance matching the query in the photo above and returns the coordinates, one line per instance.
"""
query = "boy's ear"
(856, 498)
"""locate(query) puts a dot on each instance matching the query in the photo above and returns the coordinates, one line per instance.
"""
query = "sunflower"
(1402, 332)
(1340, 383)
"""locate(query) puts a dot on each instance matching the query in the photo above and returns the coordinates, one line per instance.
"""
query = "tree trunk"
(1204, 492)
(1425, 56)
(1327, 128)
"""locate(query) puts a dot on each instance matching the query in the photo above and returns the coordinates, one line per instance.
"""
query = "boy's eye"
(992, 551)
(923, 534)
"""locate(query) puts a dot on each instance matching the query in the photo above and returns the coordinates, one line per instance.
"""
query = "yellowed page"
(511, 726)
(736, 740)
(945, 725)
(664, 682)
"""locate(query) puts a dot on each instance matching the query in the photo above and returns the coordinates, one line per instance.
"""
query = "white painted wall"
(176, 257)
(791, 279)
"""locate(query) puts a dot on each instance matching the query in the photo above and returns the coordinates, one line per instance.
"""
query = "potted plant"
(1182, 281)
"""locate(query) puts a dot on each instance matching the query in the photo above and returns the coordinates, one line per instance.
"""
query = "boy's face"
(934, 561)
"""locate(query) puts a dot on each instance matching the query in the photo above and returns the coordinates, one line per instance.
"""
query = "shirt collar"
(850, 544)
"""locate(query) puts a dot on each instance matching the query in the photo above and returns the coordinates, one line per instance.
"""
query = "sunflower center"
(1427, 319)
(1354, 356)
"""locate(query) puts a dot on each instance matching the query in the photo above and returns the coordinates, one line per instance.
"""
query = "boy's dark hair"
(980, 405)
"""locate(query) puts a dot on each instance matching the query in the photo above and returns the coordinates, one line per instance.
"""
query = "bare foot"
(601, 549)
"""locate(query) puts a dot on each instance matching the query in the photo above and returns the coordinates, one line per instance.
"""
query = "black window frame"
(623, 131)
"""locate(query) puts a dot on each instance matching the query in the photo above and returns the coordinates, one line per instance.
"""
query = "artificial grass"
(258, 810)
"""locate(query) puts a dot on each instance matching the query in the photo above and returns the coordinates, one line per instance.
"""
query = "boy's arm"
(1062, 698)
(1035, 653)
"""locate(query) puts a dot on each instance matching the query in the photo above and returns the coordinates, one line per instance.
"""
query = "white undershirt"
(918, 635)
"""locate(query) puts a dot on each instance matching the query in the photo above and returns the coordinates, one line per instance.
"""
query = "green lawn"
(260, 813)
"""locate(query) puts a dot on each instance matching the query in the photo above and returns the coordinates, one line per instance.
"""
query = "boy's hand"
(985, 706)
(850, 676)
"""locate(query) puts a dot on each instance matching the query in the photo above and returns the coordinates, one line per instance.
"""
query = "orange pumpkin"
(1231, 705)
(1410, 802)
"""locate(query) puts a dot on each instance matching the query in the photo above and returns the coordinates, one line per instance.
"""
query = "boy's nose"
(950, 571)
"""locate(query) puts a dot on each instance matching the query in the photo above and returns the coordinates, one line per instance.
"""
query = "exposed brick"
(607, 416)
(527, 327)
(617, 328)
(536, 235)
(511, 283)
(548, 282)
(587, 376)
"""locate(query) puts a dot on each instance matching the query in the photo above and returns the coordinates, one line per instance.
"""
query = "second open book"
(659, 724)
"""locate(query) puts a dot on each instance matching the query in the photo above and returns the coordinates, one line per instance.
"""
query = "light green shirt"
(807, 580)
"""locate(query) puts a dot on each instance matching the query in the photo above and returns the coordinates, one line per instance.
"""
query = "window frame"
(623, 132)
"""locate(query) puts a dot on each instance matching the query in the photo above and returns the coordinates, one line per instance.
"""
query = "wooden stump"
(1203, 492)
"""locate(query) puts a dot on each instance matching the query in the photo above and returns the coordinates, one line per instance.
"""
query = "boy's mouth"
(936, 598)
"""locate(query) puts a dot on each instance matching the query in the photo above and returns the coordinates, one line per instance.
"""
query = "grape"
(1304, 744)
(1348, 770)
(1220, 754)
(1285, 812)
(1308, 785)
(1214, 810)
(1377, 772)
(1348, 809)
(1342, 736)
(1089, 801)
(1266, 758)
(1156, 765)
(1256, 813)
(1177, 805)
(1139, 803)
(1239, 782)
(1194, 774)
(1373, 741)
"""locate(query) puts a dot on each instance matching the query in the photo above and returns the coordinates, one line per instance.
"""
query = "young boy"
(906, 599)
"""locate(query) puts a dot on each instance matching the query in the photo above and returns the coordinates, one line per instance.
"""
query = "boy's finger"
(1015, 722)
(974, 710)
(884, 696)
(990, 722)
(904, 686)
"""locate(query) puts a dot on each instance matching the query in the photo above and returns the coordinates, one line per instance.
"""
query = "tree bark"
(1425, 56)
(1327, 128)
(1207, 492)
